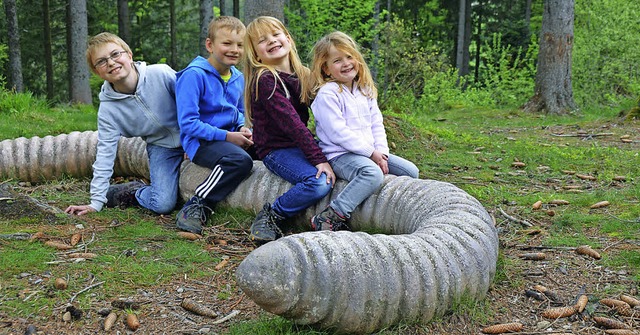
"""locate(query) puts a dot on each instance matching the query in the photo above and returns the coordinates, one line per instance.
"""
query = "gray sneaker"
(193, 215)
(329, 219)
(265, 226)
(123, 195)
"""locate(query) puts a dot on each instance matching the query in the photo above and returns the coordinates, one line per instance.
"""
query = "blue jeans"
(164, 171)
(365, 177)
(291, 165)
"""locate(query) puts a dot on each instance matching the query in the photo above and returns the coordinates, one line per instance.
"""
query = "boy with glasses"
(136, 100)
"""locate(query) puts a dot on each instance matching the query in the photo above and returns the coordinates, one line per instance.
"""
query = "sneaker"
(193, 215)
(123, 195)
(329, 219)
(265, 226)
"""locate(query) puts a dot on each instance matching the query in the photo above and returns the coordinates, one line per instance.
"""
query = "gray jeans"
(365, 177)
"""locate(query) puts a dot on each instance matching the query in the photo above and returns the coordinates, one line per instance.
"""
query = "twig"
(511, 218)
(582, 135)
(84, 290)
(15, 236)
(225, 318)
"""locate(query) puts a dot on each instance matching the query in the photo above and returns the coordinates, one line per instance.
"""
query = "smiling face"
(341, 67)
(273, 49)
(225, 49)
(115, 70)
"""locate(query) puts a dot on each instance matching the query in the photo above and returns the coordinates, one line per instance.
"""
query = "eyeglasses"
(102, 62)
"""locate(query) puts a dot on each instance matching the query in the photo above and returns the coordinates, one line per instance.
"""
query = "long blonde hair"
(253, 68)
(346, 44)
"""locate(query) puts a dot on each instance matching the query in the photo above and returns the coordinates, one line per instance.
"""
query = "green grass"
(471, 148)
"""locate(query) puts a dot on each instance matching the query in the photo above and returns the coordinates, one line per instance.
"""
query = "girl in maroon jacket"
(276, 105)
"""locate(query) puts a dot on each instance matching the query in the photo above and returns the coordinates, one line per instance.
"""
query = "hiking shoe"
(123, 195)
(193, 215)
(265, 226)
(329, 219)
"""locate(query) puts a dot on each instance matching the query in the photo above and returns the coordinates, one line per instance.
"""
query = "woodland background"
(426, 54)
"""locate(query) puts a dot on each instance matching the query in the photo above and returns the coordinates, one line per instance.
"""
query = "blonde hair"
(253, 68)
(98, 41)
(225, 22)
(346, 44)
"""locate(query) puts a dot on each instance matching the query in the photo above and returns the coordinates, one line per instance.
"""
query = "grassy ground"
(508, 160)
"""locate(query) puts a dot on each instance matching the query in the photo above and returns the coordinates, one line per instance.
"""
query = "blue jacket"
(207, 106)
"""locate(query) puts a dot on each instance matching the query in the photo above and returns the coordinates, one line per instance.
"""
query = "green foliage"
(508, 74)
(3, 58)
(605, 53)
(309, 20)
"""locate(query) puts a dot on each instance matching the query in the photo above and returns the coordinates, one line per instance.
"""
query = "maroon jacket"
(279, 122)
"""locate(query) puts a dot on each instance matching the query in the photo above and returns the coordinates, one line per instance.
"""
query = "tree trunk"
(206, 15)
(77, 31)
(223, 9)
(480, 13)
(553, 90)
(236, 8)
(124, 24)
(173, 61)
(464, 37)
(48, 54)
(375, 44)
(15, 62)
(253, 9)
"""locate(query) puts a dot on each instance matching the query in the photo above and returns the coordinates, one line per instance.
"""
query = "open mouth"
(274, 48)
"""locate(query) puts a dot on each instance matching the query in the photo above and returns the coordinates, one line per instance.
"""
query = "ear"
(208, 43)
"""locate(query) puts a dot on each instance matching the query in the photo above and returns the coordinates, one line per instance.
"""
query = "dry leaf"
(609, 323)
(220, 242)
(518, 164)
(559, 202)
(620, 178)
(587, 251)
(559, 312)
(626, 140)
(600, 204)
(110, 320)
(570, 172)
(503, 328)
(132, 321)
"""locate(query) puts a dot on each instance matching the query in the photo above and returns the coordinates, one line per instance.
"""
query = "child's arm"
(332, 127)
(377, 127)
(189, 89)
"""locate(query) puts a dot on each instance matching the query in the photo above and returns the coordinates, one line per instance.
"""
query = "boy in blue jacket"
(209, 99)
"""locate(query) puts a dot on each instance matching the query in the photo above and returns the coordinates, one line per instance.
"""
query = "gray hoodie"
(149, 113)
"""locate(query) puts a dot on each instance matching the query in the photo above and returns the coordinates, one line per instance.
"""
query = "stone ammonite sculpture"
(429, 245)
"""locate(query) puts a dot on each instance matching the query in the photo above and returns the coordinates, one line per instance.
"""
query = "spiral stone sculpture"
(38, 159)
(433, 244)
(441, 246)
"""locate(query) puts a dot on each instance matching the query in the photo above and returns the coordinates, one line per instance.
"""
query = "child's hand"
(79, 210)
(381, 160)
(247, 132)
(326, 168)
(240, 139)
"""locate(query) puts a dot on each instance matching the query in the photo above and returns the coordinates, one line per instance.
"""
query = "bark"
(223, 8)
(48, 54)
(206, 15)
(77, 32)
(236, 8)
(460, 48)
(15, 62)
(553, 88)
(124, 24)
(253, 9)
(173, 60)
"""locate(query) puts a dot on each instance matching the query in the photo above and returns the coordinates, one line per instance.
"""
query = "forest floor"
(511, 298)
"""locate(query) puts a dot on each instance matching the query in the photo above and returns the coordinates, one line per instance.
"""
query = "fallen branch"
(16, 236)
(516, 220)
(84, 290)
(583, 135)
(225, 318)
